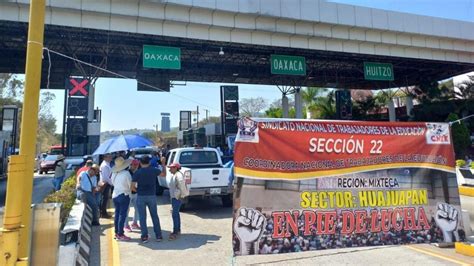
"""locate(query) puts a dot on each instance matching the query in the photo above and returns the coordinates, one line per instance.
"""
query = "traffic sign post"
(378, 71)
(162, 57)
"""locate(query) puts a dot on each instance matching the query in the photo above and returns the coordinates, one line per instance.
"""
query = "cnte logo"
(161, 57)
(440, 138)
(437, 133)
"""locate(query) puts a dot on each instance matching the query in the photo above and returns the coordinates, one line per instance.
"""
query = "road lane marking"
(114, 253)
(466, 191)
(437, 255)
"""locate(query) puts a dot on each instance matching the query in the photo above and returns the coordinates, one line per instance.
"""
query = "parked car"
(203, 172)
(145, 151)
(38, 160)
(48, 164)
(73, 163)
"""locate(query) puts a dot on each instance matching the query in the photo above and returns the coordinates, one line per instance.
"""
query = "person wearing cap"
(122, 181)
(59, 172)
(176, 186)
(133, 200)
(105, 174)
(88, 188)
(144, 180)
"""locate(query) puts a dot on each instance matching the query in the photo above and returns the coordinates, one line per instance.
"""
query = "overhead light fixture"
(235, 74)
(221, 52)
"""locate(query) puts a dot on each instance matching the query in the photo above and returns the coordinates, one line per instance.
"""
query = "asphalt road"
(42, 186)
(206, 240)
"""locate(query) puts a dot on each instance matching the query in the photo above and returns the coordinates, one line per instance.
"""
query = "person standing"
(88, 187)
(133, 201)
(59, 172)
(105, 174)
(155, 160)
(144, 180)
(85, 168)
(121, 180)
(177, 186)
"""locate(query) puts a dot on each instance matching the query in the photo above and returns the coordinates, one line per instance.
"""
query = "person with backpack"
(178, 191)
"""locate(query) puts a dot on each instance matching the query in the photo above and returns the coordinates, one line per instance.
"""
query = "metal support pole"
(391, 110)
(197, 118)
(284, 105)
(298, 103)
(409, 104)
(19, 191)
(13, 211)
(63, 136)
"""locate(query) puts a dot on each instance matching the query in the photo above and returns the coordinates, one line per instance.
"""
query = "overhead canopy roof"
(200, 60)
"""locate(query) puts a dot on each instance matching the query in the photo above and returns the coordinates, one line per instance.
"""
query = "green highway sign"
(161, 57)
(378, 71)
(288, 65)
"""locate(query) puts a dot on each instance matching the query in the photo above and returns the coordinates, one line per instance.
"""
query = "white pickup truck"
(203, 172)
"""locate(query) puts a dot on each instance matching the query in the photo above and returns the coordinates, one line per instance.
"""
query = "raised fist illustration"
(248, 226)
(447, 219)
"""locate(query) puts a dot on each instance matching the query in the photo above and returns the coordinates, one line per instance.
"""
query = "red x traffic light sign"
(78, 87)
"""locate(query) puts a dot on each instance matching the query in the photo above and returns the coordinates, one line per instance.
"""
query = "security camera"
(221, 52)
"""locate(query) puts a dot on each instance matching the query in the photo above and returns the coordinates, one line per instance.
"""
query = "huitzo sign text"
(288, 65)
(162, 57)
(378, 71)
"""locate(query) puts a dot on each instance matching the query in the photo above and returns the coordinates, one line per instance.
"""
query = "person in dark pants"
(177, 186)
(122, 180)
(88, 189)
(105, 180)
(144, 180)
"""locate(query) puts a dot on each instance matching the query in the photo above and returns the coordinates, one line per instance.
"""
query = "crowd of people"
(298, 243)
(130, 183)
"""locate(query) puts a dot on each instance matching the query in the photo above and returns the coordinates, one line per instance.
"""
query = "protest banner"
(308, 185)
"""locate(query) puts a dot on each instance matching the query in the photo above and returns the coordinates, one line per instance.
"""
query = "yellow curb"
(466, 191)
(465, 249)
(114, 254)
(437, 255)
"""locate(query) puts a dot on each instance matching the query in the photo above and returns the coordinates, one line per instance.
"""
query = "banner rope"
(460, 120)
(125, 77)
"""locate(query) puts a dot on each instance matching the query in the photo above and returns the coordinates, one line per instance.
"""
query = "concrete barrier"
(85, 238)
(76, 236)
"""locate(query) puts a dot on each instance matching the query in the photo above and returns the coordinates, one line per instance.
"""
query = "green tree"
(460, 133)
(323, 107)
(274, 112)
(465, 90)
(429, 91)
(310, 98)
(11, 90)
(252, 107)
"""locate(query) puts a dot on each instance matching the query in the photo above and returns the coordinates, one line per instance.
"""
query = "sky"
(452, 9)
(123, 107)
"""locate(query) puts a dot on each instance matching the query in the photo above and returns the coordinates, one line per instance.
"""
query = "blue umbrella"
(122, 143)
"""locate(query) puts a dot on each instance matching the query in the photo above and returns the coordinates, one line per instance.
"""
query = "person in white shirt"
(122, 181)
(106, 182)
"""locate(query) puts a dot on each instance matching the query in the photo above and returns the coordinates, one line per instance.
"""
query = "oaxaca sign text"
(161, 57)
(310, 185)
(288, 65)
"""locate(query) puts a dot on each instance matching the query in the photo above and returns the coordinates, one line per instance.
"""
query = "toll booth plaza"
(283, 203)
